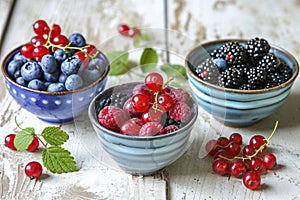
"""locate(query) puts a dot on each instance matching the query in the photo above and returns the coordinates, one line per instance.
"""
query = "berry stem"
(257, 151)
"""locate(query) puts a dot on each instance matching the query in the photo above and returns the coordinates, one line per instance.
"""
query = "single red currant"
(238, 168)
(9, 141)
(91, 50)
(27, 50)
(154, 81)
(223, 141)
(123, 29)
(256, 164)
(211, 147)
(134, 32)
(153, 115)
(140, 89)
(60, 40)
(131, 127)
(166, 101)
(234, 148)
(38, 41)
(141, 102)
(83, 57)
(33, 170)
(236, 137)
(55, 31)
(269, 161)
(129, 109)
(221, 166)
(40, 27)
(39, 52)
(248, 151)
(252, 180)
(34, 145)
(257, 141)
(223, 153)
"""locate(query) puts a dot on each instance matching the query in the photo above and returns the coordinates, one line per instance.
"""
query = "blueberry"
(56, 87)
(36, 84)
(47, 83)
(48, 63)
(13, 68)
(70, 66)
(52, 77)
(221, 63)
(73, 82)
(60, 55)
(31, 70)
(62, 78)
(19, 56)
(20, 80)
(77, 40)
(94, 70)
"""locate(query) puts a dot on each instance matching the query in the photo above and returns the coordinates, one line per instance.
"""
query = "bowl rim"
(94, 121)
(208, 43)
(8, 78)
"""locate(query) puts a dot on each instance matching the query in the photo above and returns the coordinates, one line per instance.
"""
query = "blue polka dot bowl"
(141, 155)
(54, 107)
(234, 107)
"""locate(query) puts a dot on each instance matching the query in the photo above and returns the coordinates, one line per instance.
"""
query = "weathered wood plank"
(6, 7)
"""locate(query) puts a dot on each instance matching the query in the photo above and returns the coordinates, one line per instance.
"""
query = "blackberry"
(231, 78)
(246, 86)
(257, 77)
(257, 48)
(270, 62)
(208, 71)
(168, 121)
(285, 70)
(115, 99)
(274, 79)
(233, 53)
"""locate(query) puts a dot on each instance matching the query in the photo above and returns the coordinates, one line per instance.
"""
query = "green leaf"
(119, 63)
(149, 60)
(24, 138)
(54, 135)
(174, 70)
(58, 160)
(137, 39)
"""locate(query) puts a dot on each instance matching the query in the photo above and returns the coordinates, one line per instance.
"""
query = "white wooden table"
(191, 176)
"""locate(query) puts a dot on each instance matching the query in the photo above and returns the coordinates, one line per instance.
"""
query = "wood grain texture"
(191, 176)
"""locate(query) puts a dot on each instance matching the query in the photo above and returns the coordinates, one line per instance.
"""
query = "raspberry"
(180, 95)
(112, 117)
(151, 129)
(170, 129)
(181, 112)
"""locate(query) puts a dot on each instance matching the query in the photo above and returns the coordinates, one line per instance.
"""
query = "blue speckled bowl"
(141, 155)
(232, 106)
(53, 107)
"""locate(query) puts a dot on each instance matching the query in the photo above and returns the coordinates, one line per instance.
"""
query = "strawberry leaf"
(24, 138)
(58, 160)
(54, 135)
(149, 60)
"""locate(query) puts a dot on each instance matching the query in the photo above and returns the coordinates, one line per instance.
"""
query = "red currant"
(38, 41)
(257, 141)
(153, 115)
(252, 180)
(236, 137)
(134, 32)
(238, 168)
(269, 161)
(129, 109)
(33, 170)
(154, 81)
(40, 27)
(211, 147)
(39, 52)
(141, 102)
(140, 89)
(9, 141)
(91, 50)
(55, 31)
(27, 50)
(60, 40)
(256, 164)
(248, 151)
(234, 148)
(221, 166)
(83, 57)
(34, 145)
(123, 29)
(224, 153)
(131, 127)
(166, 101)
(223, 141)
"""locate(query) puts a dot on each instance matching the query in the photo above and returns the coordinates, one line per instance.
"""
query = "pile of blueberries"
(56, 69)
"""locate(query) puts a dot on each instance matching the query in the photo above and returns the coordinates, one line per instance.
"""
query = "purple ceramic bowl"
(54, 107)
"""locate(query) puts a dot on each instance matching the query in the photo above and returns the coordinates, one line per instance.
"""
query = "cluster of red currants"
(248, 162)
(33, 169)
(127, 31)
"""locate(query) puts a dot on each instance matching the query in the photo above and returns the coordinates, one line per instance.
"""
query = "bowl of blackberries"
(53, 76)
(240, 82)
(144, 126)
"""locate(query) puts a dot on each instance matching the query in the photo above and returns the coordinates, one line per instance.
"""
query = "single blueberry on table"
(70, 66)
(77, 40)
(52, 77)
(73, 82)
(20, 80)
(60, 55)
(48, 63)
(31, 70)
(56, 87)
(14, 67)
(36, 84)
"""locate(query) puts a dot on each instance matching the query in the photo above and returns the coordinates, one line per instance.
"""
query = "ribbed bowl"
(232, 106)
(141, 155)
(53, 107)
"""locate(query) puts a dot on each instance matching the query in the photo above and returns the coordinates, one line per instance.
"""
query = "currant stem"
(257, 151)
